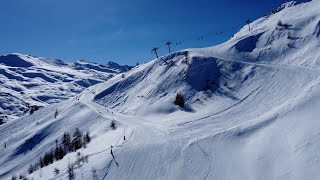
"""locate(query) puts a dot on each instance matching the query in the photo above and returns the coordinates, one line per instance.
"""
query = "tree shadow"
(296, 38)
(295, 29)
(114, 158)
(291, 46)
(188, 108)
(109, 165)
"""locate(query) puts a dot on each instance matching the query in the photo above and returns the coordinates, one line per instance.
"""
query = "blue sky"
(123, 31)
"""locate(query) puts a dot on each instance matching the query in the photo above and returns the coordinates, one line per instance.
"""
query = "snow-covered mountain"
(27, 81)
(251, 112)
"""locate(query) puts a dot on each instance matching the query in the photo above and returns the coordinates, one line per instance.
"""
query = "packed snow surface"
(251, 112)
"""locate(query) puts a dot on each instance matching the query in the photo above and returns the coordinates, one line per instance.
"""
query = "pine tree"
(84, 142)
(46, 159)
(113, 125)
(14, 177)
(87, 137)
(50, 157)
(31, 169)
(41, 162)
(77, 142)
(77, 133)
(56, 154)
(66, 141)
(61, 152)
(179, 100)
(22, 176)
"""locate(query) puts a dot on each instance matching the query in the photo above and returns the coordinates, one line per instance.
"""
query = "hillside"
(251, 112)
(28, 81)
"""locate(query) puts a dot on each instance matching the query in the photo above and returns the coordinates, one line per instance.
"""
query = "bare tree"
(94, 174)
(168, 43)
(154, 51)
(70, 170)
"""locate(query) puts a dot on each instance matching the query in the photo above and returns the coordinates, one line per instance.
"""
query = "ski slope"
(251, 112)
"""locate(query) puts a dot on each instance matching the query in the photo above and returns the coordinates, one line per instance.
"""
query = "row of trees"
(68, 144)
(77, 141)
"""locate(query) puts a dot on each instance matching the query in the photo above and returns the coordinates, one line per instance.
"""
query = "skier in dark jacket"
(111, 150)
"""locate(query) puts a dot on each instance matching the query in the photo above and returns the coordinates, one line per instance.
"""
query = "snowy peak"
(15, 60)
(286, 5)
(111, 67)
(115, 66)
(21, 60)
(289, 37)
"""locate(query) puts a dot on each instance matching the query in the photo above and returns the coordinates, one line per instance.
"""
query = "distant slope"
(36, 81)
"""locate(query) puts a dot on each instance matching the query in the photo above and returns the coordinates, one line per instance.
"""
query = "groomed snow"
(252, 108)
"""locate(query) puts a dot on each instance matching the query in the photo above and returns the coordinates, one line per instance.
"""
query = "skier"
(56, 113)
(111, 150)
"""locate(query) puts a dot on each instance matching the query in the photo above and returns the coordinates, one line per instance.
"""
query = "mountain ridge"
(37, 81)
